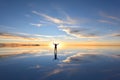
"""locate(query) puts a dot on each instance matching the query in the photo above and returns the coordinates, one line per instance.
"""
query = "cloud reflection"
(56, 71)
(35, 67)
(36, 51)
(80, 58)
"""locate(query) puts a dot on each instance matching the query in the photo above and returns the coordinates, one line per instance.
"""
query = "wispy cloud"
(49, 18)
(32, 37)
(57, 37)
(106, 21)
(35, 12)
(4, 28)
(72, 29)
(37, 25)
(116, 35)
(9, 35)
(109, 19)
(79, 32)
(67, 20)
(109, 16)
(18, 37)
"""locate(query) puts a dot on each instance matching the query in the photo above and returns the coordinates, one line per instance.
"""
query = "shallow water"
(72, 63)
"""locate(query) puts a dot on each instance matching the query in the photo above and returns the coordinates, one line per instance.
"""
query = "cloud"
(55, 37)
(37, 25)
(18, 37)
(109, 16)
(106, 21)
(32, 37)
(109, 19)
(79, 32)
(49, 18)
(52, 19)
(35, 12)
(71, 26)
(10, 35)
(70, 29)
(116, 35)
(67, 20)
(4, 28)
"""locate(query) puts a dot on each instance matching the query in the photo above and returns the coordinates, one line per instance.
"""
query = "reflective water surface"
(72, 63)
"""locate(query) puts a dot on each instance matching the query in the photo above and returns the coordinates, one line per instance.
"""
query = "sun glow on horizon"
(61, 45)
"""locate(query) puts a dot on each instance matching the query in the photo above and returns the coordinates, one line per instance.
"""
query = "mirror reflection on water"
(70, 63)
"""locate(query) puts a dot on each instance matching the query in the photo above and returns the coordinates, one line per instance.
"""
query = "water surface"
(73, 63)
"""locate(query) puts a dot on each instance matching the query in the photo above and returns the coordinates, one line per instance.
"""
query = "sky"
(72, 21)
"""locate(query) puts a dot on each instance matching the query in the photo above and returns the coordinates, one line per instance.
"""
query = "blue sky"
(62, 20)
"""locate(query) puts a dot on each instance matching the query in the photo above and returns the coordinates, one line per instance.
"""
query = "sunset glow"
(59, 39)
(74, 23)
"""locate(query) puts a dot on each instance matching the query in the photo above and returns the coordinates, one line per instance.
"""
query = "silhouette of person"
(55, 46)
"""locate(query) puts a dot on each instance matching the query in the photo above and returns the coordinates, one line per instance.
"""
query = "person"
(55, 46)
